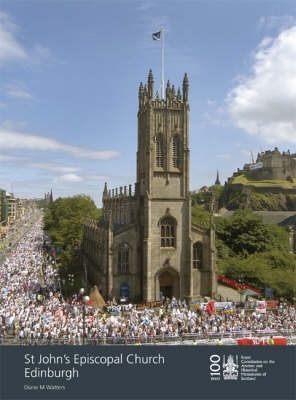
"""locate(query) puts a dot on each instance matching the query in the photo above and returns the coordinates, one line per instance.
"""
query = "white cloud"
(5, 158)
(10, 48)
(277, 22)
(18, 91)
(13, 125)
(54, 167)
(264, 103)
(69, 178)
(98, 177)
(11, 140)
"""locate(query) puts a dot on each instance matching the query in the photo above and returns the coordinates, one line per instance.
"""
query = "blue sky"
(69, 78)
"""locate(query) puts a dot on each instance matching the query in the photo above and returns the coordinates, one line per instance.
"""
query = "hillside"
(243, 191)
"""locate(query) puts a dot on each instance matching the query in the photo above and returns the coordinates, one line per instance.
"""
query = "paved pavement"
(228, 294)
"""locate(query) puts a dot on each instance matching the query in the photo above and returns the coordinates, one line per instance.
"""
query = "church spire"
(105, 192)
(217, 182)
(185, 88)
(150, 84)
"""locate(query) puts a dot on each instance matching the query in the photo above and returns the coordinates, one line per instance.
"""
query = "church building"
(145, 247)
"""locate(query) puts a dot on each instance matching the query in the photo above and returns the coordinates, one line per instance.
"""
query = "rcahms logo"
(230, 368)
(226, 369)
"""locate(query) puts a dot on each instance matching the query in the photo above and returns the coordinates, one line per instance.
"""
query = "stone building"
(272, 164)
(144, 246)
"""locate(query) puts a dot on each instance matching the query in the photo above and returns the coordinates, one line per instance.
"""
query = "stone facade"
(272, 164)
(144, 246)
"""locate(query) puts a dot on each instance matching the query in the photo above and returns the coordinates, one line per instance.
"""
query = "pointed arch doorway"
(167, 283)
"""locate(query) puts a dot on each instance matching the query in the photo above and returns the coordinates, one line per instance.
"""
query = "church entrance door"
(166, 283)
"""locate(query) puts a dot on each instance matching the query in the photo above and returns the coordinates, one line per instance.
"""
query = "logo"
(228, 369)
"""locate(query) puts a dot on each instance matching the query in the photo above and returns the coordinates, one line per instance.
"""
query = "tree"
(65, 217)
(64, 221)
(200, 216)
(245, 233)
(259, 253)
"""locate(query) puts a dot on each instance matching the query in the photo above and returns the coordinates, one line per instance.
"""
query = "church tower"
(163, 191)
(145, 247)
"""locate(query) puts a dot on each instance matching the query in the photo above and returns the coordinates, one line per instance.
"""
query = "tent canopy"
(248, 292)
(96, 298)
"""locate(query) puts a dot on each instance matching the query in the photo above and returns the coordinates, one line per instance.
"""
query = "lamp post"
(57, 282)
(241, 282)
(85, 300)
(70, 284)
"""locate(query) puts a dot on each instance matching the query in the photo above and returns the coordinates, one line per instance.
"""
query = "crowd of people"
(33, 310)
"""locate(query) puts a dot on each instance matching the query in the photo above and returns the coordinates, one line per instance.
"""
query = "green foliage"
(254, 181)
(248, 192)
(290, 179)
(259, 253)
(200, 216)
(42, 203)
(65, 217)
(203, 197)
(244, 233)
(260, 270)
(64, 221)
(200, 198)
(217, 191)
(267, 201)
(291, 201)
(283, 283)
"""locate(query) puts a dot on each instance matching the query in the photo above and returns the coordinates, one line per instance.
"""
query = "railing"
(187, 338)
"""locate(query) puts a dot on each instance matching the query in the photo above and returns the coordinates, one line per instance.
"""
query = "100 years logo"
(226, 368)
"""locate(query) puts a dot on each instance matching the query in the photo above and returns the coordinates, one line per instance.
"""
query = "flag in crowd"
(210, 307)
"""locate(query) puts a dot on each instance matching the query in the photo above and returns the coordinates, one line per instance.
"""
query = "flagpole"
(162, 63)
(160, 36)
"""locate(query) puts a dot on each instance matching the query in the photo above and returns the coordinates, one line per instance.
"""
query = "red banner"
(272, 304)
(236, 285)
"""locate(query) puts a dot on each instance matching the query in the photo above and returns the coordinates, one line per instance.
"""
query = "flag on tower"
(160, 37)
(156, 35)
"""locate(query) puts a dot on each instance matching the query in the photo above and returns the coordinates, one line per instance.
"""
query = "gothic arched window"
(159, 151)
(176, 152)
(168, 232)
(197, 255)
(123, 258)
